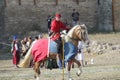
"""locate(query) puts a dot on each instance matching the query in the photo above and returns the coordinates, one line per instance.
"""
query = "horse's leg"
(79, 67)
(68, 69)
(37, 70)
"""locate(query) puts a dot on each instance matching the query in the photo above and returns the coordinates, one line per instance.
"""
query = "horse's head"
(80, 32)
(77, 33)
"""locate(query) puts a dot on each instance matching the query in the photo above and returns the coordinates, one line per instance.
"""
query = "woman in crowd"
(15, 51)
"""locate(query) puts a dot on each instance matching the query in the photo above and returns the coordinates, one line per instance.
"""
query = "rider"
(56, 26)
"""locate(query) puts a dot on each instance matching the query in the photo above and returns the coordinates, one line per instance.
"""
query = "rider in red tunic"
(56, 26)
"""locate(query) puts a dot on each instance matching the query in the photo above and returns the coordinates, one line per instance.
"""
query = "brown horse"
(77, 33)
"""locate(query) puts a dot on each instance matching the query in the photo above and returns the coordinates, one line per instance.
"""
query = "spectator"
(24, 48)
(32, 61)
(49, 19)
(29, 42)
(15, 51)
(25, 39)
(36, 38)
(75, 17)
(80, 55)
(40, 36)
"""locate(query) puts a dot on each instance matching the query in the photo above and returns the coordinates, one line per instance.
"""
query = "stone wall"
(116, 15)
(21, 19)
(105, 15)
(2, 24)
(29, 17)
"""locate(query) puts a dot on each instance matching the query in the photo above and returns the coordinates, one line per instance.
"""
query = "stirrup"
(79, 73)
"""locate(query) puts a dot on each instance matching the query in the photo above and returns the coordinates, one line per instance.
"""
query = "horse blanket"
(70, 51)
(41, 49)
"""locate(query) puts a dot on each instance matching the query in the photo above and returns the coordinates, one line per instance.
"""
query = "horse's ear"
(83, 26)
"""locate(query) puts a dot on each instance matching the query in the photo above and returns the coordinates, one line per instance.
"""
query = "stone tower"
(2, 24)
(104, 16)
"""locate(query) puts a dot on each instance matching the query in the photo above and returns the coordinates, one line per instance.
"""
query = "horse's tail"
(26, 62)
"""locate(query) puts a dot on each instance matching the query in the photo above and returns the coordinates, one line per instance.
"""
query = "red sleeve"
(63, 26)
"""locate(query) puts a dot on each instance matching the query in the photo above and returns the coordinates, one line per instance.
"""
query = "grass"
(90, 72)
(5, 50)
(104, 37)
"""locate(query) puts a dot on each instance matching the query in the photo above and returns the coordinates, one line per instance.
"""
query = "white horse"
(77, 33)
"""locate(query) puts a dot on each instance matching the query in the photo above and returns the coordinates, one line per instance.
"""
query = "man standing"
(49, 19)
(75, 17)
(56, 26)
(80, 54)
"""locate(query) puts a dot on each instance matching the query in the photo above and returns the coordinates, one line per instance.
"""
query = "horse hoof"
(70, 79)
(78, 74)
(37, 78)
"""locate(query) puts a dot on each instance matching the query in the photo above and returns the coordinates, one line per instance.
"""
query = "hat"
(15, 37)
(58, 15)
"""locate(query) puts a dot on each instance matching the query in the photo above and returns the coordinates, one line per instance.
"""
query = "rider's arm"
(64, 27)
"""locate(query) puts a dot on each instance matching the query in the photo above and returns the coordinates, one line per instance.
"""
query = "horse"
(75, 34)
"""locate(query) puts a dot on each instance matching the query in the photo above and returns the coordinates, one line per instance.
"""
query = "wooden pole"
(63, 58)
(113, 16)
(5, 3)
(98, 2)
(34, 2)
(19, 2)
(77, 1)
(56, 1)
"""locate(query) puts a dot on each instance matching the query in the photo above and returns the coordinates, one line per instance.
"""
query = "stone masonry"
(30, 17)
(21, 19)
(2, 23)
(117, 15)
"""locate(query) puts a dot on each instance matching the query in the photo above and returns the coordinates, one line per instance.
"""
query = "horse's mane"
(70, 33)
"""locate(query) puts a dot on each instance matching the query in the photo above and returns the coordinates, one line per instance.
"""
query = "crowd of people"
(54, 27)
(20, 48)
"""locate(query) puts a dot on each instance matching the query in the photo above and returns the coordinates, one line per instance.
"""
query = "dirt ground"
(105, 67)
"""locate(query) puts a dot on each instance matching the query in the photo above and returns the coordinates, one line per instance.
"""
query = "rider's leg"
(59, 55)
(59, 61)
